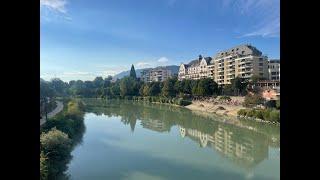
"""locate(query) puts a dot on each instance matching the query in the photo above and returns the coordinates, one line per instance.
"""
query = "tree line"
(132, 86)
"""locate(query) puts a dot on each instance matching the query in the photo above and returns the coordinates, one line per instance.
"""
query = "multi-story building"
(200, 68)
(157, 74)
(274, 69)
(244, 61)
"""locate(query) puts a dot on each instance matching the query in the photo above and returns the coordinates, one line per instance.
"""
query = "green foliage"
(43, 167)
(259, 114)
(266, 114)
(251, 113)
(56, 144)
(251, 101)
(226, 98)
(278, 103)
(184, 103)
(168, 89)
(274, 116)
(133, 72)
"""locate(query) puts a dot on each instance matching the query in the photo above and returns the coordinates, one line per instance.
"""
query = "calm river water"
(143, 141)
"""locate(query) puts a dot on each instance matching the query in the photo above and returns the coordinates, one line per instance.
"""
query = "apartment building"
(274, 69)
(157, 74)
(244, 61)
(200, 68)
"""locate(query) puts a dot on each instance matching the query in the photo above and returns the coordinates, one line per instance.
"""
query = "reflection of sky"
(111, 148)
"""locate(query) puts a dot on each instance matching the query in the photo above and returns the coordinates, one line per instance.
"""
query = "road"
(52, 113)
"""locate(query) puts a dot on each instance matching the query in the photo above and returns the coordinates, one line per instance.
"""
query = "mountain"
(174, 69)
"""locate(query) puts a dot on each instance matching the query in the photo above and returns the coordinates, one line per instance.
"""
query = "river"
(143, 141)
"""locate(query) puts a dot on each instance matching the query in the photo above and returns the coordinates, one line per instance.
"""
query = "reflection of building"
(155, 125)
(242, 150)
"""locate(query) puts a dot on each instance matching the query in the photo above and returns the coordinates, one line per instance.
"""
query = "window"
(242, 52)
(260, 59)
(260, 69)
(232, 50)
(273, 73)
(260, 74)
(221, 53)
(237, 49)
(260, 64)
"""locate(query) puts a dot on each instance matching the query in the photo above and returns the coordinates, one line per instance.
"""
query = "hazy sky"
(82, 39)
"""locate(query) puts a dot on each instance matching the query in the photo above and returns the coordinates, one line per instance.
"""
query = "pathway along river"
(137, 141)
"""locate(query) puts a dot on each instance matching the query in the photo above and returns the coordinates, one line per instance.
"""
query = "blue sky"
(82, 39)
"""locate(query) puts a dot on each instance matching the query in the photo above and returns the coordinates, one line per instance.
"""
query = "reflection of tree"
(244, 146)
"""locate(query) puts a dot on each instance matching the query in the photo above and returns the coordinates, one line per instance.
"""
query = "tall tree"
(133, 72)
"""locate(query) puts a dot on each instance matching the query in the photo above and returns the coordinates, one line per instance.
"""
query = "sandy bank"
(229, 110)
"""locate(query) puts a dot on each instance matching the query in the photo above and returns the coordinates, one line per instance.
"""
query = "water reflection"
(245, 143)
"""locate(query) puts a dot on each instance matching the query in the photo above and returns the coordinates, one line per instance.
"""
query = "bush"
(251, 101)
(259, 114)
(43, 167)
(278, 103)
(251, 113)
(185, 103)
(241, 112)
(227, 98)
(266, 114)
(274, 116)
(56, 144)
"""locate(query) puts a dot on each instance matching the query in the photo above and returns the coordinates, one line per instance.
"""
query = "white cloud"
(265, 13)
(271, 29)
(54, 5)
(143, 65)
(163, 59)
(50, 9)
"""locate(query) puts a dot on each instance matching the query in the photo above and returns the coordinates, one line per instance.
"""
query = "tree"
(133, 72)
(57, 85)
(238, 85)
(125, 86)
(146, 90)
(45, 89)
(168, 90)
(252, 100)
(154, 89)
(98, 82)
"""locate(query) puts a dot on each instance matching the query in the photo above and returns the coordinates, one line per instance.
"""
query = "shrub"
(266, 114)
(184, 103)
(251, 113)
(43, 167)
(241, 112)
(259, 114)
(227, 98)
(274, 116)
(252, 100)
(56, 144)
(278, 103)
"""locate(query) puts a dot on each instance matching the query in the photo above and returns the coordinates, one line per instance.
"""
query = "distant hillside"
(174, 69)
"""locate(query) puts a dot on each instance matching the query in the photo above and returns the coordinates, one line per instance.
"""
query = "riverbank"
(221, 109)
